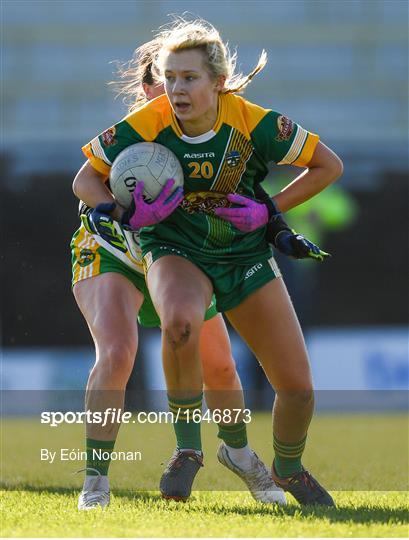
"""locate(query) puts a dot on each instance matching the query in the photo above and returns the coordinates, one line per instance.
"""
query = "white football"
(147, 161)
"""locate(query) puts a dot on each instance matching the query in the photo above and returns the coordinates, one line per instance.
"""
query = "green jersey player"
(214, 243)
(109, 286)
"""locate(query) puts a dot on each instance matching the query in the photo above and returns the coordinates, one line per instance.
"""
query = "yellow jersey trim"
(308, 150)
(241, 114)
(95, 161)
(151, 118)
(232, 110)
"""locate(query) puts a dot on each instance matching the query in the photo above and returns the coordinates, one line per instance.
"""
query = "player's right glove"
(291, 243)
(142, 214)
(99, 221)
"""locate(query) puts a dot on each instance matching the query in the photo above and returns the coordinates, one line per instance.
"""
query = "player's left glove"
(247, 218)
(282, 237)
(99, 221)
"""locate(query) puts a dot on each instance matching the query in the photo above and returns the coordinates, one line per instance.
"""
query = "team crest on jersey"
(285, 128)
(86, 257)
(233, 158)
(204, 201)
(108, 137)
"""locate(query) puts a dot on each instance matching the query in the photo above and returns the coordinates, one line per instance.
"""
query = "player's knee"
(115, 361)
(181, 327)
(220, 376)
(298, 399)
(305, 398)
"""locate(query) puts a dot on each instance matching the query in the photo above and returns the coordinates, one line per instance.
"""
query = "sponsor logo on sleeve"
(285, 128)
(108, 137)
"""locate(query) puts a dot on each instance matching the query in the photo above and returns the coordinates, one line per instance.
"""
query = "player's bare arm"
(324, 168)
(89, 186)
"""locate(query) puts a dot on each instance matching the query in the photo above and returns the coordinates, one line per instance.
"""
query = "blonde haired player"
(215, 241)
(109, 287)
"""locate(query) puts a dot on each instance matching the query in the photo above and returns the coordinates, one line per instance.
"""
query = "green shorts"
(89, 259)
(232, 283)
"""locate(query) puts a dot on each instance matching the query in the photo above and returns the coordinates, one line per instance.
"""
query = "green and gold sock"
(186, 413)
(287, 460)
(234, 435)
(98, 456)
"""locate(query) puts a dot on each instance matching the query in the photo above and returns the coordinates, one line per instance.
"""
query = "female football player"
(109, 287)
(204, 247)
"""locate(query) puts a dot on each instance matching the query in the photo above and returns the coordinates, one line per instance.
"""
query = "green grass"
(52, 513)
(355, 456)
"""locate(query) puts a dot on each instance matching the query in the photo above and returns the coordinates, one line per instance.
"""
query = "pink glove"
(142, 214)
(249, 217)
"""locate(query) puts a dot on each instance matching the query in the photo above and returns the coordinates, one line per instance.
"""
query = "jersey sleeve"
(281, 140)
(104, 148)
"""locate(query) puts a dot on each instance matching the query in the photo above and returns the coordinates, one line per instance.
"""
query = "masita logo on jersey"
(200, 156)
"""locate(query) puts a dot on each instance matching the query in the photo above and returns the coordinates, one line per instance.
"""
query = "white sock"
(96, 483)
(242, 457)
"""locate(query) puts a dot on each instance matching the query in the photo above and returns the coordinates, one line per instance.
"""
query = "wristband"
(272, 208)
(275, 226)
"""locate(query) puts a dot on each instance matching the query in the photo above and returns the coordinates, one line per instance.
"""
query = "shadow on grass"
(361, 514)
(57, 490)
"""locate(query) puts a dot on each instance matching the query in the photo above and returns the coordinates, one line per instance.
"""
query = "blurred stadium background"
(338, 68)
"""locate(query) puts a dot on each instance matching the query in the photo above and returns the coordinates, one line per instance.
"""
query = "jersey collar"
(204, 137)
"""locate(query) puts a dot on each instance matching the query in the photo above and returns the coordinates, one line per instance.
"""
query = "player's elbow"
(77, 184)
(332, 169)
(337, 167)
(328, 163)
(86, 178)
(333, 165)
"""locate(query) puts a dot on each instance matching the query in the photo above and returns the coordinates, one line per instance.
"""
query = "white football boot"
(95, 492)
(257, 478)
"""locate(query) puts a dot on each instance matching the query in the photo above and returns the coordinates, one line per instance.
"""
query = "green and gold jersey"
(230, 158)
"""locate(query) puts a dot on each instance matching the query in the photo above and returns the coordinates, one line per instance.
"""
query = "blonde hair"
(146, 65)
(183, 34)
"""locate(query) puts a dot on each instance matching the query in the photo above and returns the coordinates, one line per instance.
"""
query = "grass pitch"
(348, 454)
